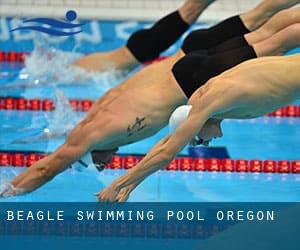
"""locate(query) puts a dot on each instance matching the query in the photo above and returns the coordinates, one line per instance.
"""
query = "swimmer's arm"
(47, 168)
(160, 156)
(119, 59)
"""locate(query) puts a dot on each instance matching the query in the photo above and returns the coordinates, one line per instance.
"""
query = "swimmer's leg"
(279, 43)
(229, 34)
(151, 41)
(256, 17)
(280, 21)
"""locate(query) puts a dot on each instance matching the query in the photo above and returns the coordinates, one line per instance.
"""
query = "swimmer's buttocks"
(185, 69)
(147, 44)
(204, 39)
(192, 71)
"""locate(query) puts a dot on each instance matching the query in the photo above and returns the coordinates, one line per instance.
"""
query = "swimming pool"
(266, 138)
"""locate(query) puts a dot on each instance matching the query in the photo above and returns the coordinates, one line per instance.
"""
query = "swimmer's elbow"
(167, 152)
(45, 173)
(166, 157)
(61, 159)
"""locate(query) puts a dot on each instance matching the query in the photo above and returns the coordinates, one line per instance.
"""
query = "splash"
(48, 66)
(59, 122)
(63, 119)
(8, 190)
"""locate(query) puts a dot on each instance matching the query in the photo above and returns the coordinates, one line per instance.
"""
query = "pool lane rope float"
(26, 159)
(19, 57)
(13, 56)
(84, 105)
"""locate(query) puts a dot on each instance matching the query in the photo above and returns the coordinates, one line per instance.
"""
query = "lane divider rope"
(84, 105)
(13, 56)
(26, 159)
(19, 57)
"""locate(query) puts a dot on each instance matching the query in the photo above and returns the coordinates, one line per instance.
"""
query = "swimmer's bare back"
(138, 107)
(255, 87)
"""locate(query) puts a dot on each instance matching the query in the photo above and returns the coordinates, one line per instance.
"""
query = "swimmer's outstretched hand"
(109, 194)
(7, 190)
(124, 194)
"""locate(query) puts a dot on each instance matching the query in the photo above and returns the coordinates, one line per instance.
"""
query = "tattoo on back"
(137, 126)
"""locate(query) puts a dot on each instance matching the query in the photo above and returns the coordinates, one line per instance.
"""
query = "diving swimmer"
(136, 109)
(276, 83)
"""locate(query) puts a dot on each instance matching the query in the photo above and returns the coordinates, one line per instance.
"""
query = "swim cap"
(178, 117)
(87, 161)
(95, 158)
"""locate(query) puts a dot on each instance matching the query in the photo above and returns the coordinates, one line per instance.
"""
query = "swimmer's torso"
(155, 90)
(143, 103)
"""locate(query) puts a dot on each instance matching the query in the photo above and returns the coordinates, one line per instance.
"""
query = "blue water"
(264, 138)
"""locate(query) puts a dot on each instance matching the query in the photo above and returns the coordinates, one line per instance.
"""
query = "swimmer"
(276, 83)
(278, 22)
(147, 44)
(138, 108)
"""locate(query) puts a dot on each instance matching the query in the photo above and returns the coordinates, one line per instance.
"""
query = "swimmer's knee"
(44, 172)
(293, 29)
(65, 154)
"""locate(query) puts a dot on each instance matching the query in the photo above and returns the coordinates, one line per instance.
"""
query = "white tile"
(56, 2)
(91, 3)
(74, 3)
(151, 4)
(11, 2)
(135, 3)
(143, 9)
(119, 4)
(167, 4)
(41, 2)
(104, 3)
(24, 2)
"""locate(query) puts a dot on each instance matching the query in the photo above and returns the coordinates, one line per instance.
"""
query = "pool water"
(263, 138)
